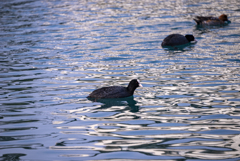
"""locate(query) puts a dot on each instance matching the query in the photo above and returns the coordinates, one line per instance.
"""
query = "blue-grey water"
(54, 53)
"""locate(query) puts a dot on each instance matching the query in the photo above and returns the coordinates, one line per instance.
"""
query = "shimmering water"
(54, 53)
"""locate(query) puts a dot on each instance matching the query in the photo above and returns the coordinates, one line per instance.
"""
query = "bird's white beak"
(139, 84)
(194, 41)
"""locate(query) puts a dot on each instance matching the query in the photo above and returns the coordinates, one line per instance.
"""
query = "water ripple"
(54, 53)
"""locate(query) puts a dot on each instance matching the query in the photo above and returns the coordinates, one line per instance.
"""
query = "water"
(54, 53)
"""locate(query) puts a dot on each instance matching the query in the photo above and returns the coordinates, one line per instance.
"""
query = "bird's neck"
(131, 89)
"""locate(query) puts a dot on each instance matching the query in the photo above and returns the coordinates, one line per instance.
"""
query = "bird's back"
(110, 92)
(174, 40)
(200, 20)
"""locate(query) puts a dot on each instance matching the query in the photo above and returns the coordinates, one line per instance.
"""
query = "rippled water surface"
(54, 53)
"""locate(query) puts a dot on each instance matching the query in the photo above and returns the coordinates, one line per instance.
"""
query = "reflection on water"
(179, 49)
(54, 53)
(108, 103)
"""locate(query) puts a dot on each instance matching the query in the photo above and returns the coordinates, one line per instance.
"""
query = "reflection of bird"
(116, 91)
(177, 39)
(127, 101)
(212, 21)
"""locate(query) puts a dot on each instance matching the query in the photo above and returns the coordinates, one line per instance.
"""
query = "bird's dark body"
(111, 92)
(174, 40)
(116, 91)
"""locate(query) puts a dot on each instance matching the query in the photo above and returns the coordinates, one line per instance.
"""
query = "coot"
(177, 39)
(116, 91)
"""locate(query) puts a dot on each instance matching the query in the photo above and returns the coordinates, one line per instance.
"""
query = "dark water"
(54, 53)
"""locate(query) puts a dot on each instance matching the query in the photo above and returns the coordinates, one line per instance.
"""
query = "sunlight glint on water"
(54, 53)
